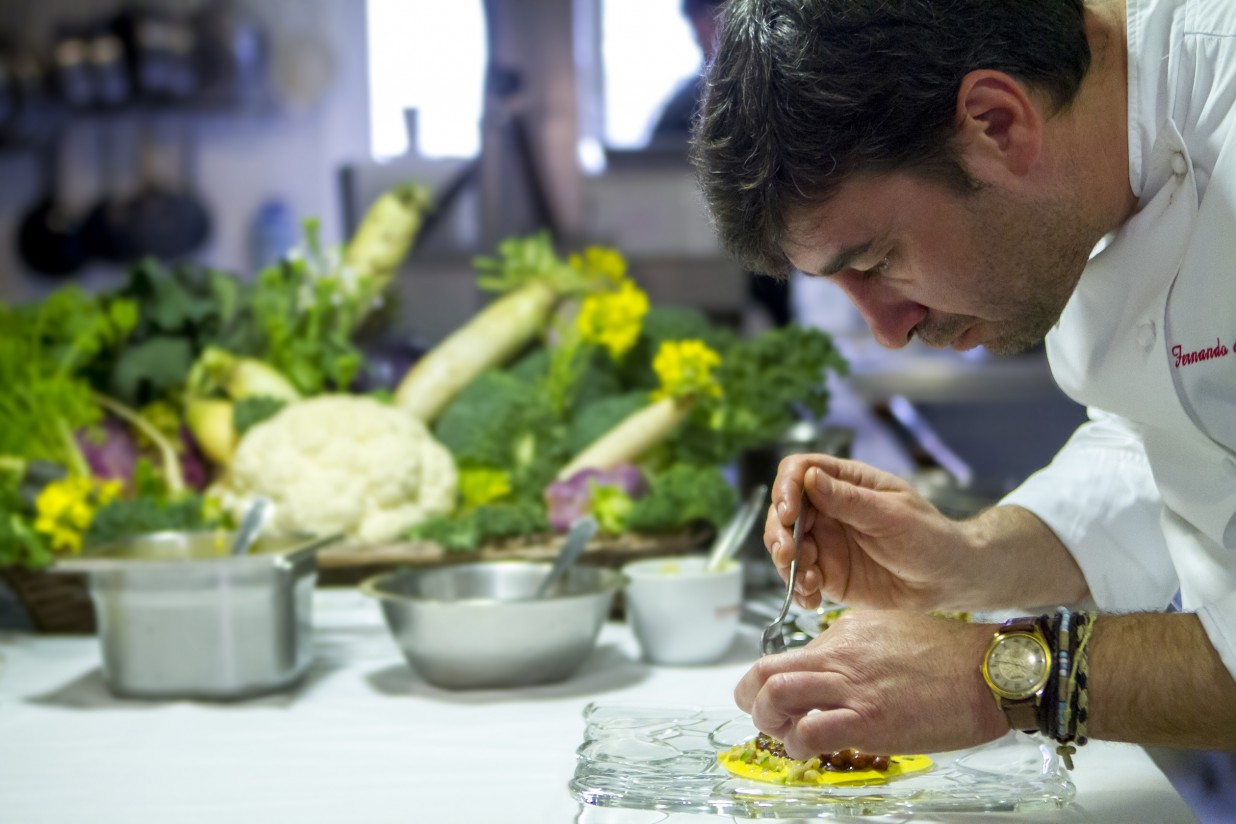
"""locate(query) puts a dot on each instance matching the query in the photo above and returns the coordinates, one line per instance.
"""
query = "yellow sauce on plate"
(773, 769)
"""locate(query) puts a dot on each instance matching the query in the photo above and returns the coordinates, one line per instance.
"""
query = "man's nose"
(890, 317)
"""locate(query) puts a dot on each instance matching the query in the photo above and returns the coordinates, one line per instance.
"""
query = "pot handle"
(312, 548)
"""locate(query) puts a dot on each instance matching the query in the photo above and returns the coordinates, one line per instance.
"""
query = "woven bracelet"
(1081, 688)
(1071, 726)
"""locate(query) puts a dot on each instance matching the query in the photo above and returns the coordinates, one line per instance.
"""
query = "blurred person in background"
(674, 123)
(673, 129)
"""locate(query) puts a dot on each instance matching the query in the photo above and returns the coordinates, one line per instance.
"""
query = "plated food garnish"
(764, 759)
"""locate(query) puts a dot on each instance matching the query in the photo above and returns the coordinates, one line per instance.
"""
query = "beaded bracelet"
(1072, 715)
(1048, 710)
(1062, 674)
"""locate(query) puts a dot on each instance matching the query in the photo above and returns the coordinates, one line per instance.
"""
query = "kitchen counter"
(363, 739)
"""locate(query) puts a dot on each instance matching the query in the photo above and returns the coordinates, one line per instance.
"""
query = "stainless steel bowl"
(179, 618)
(477, 625)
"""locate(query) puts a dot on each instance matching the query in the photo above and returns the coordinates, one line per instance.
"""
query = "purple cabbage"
(110, 450)
(193, 464)
(571, 498)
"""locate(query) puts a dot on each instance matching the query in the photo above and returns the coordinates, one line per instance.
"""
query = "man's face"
(958, 270)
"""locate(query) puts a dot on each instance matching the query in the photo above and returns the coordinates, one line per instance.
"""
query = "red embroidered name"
(1183, 358)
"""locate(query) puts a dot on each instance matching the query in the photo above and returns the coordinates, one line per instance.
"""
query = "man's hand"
(878, 681)
(869, 538)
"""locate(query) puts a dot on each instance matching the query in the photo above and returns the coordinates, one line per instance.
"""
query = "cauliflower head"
(344, 463)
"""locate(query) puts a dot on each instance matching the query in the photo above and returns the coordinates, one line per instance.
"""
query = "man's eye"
(878, 269)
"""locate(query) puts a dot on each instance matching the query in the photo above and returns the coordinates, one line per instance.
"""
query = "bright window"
(430, 55)
(427, 55)
(648, 51)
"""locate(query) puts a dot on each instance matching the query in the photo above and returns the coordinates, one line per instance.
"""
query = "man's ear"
(999, 126)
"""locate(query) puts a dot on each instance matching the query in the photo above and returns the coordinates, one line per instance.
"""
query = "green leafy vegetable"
(181, 311)
(124, 517)
(249, 412)
(146, 371)
(521, 260)
(611, 506)
(154, 507)
(669, 323)
(768, 383)
(469, 530)
(20, 544)
(681, 496)
(503, 422)
(44, 348)
(308, 311)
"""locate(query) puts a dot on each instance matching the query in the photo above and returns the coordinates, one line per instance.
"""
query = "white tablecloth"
(364, 740)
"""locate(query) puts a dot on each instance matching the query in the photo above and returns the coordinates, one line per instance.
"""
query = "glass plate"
(664, 758)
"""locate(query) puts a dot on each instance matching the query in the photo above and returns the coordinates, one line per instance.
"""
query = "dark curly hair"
(803, 94)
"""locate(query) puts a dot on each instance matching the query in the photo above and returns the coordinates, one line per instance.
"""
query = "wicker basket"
(56, 602)
(346, 564)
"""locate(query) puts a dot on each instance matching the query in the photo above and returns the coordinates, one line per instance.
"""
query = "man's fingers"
(864, 509)
(857, 473)
(775, 675)
(761, 671)
(809, 577)
(791, 700)
(788, 487)
(818, 476)
(811, 600)
(786, 697)
(778, 540)
(822, 731)
(781, 547)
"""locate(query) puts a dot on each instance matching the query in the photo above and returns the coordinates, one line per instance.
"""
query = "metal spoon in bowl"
(578, 536)
(732, 535)
(250, 526)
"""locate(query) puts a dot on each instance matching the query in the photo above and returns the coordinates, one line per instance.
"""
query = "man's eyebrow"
(845, 258)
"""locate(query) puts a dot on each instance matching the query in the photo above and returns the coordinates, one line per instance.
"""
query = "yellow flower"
(479, 486)
(613, 319)
(685, 369)
(66, 507)
(598, 263)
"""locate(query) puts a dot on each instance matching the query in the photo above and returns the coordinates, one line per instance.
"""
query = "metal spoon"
(731, 536)
(580, 534)
(251, 526)
(774, 634)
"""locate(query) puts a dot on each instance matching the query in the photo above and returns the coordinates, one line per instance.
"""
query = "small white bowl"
(680, 612)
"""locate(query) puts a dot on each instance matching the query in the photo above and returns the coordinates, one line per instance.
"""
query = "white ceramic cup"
(681, 613)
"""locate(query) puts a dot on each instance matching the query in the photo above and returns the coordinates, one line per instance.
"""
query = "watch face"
(1018, 665)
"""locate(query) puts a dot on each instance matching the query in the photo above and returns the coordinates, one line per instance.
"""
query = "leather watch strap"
(1022, 715)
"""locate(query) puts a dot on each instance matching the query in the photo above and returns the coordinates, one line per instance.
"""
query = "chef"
(996, 174)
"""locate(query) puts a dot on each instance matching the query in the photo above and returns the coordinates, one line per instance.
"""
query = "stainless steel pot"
(179, 618)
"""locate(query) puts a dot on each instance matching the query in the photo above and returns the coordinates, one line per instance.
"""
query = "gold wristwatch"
(1017, 666)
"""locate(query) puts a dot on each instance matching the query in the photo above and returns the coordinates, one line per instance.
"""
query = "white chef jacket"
(1144, 495)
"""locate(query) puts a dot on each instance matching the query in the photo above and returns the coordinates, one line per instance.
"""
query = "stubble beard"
(1040, 249)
